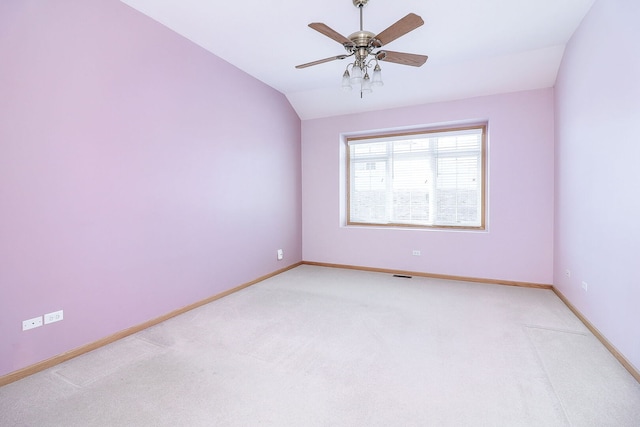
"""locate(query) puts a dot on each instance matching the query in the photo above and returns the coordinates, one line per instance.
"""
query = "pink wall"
(597, 185)
(518, 243)
(138, 174)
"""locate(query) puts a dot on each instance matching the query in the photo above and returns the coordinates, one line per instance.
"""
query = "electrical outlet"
(36, 322)
(56, 316)
(585, 286)
(280, 254)
(416, 252)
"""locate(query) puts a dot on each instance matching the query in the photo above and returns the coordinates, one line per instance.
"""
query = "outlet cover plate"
(56, 316)
(36, 322)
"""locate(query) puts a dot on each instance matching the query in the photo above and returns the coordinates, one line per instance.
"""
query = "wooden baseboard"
(612, 349)
(55, 360)
(434, 276)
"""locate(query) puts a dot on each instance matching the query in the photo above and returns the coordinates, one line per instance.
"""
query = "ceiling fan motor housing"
(362, 38)
(362, 41)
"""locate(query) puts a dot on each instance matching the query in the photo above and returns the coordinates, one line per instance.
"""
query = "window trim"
(424, 131)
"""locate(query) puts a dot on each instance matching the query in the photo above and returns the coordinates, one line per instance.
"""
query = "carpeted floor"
(320, 346)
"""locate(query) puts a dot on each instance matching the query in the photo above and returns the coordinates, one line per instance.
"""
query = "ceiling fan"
(365, 46)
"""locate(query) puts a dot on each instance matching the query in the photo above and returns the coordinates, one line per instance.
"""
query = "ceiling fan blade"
(329, 32)
(402, 58)
(400, 28)
(321, 61)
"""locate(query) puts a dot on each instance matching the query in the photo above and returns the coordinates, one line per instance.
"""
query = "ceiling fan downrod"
(360, 5)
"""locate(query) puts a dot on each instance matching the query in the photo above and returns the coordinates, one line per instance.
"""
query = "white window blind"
(429, 179)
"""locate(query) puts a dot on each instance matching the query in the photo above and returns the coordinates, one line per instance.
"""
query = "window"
(433, 178)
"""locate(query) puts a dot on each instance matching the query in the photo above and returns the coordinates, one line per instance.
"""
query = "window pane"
(368, 195)
(411, 176)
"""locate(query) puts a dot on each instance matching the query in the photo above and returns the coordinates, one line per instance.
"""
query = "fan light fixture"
(356, 76)
(362, 46)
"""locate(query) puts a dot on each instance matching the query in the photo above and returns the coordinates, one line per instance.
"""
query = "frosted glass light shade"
(377, 77)
(366, 84)
(356, 74)
(346, 82)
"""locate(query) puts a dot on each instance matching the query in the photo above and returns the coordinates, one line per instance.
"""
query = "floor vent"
(402, 276)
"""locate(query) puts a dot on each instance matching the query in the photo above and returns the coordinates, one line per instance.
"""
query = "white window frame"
(427, 211)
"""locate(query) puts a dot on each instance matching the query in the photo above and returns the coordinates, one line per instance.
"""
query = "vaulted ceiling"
(475, 47)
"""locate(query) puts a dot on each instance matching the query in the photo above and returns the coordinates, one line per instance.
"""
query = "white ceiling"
(475, 47)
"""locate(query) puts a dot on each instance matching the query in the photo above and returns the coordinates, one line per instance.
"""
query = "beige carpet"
(328, 347)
